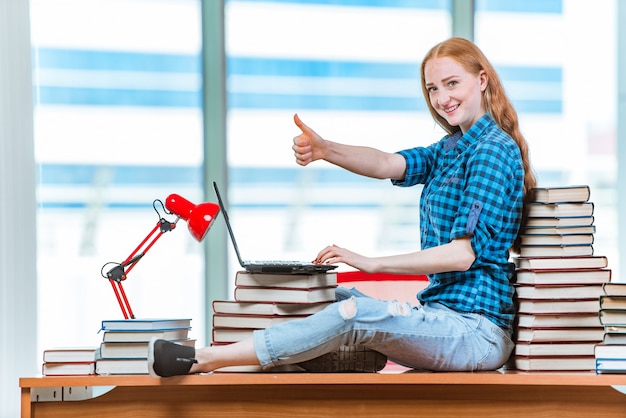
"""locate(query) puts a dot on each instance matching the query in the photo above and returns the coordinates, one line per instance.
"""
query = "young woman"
(475, 180)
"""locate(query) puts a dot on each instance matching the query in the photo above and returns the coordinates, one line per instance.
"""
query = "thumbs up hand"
(308, 146)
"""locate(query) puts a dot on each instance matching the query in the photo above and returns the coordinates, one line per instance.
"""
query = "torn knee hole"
(399, 309)
(347, 308)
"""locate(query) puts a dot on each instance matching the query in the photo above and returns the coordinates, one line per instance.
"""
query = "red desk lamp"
(199, 220)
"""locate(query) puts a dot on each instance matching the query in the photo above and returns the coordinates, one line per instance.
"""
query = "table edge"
(412, 378)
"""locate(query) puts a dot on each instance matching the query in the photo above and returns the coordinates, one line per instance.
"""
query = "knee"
(347, 308)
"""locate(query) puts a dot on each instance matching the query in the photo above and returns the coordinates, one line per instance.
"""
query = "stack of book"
(69, 361)
(262, 300)
(124, 346)
(560, 223)
(611, 353)
(558, 283)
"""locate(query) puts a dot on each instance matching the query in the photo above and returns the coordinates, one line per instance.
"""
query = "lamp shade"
(198, 217)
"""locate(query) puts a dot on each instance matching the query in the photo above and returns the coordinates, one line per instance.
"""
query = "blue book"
(144, 324)
(610, 365)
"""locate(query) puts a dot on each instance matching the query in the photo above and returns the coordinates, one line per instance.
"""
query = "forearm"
(457, 255)
(365, 161)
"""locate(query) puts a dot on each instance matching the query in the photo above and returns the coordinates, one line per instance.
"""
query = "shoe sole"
(347, 359)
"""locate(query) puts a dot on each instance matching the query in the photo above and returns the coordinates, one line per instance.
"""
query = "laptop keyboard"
(276, 262)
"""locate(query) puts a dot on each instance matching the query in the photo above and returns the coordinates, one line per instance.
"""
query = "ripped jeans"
(431, 337)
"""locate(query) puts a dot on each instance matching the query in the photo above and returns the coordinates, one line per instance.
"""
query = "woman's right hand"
(308, 146)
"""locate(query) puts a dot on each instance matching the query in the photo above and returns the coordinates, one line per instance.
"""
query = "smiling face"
(454, 93)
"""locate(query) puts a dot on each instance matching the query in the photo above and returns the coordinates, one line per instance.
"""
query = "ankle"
(203, 364)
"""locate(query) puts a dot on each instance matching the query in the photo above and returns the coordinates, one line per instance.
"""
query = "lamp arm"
(119, 273)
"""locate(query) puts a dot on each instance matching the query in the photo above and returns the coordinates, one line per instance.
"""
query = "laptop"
(267, 266)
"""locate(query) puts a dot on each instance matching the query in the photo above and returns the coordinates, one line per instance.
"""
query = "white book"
(145, 324)
(259, 294)
(130, 350)
(554, 349)
(250, 321)
(266, 308)
(562, 335)
(145, 336)
(561, 263)
(562, 277)
(572, 320)
(571, 363)
(296, 281)
(122, 366)
(590, 291)
(70, 354)
(556, 250)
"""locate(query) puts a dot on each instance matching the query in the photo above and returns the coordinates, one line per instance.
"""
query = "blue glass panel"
(520, 6)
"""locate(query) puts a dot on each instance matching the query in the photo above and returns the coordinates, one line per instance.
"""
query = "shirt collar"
(462, 141)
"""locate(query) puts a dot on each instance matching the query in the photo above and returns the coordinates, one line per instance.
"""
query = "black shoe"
(347, 359)
(167, 359)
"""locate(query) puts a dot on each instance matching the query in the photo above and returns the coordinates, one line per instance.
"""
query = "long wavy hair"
(495, 102)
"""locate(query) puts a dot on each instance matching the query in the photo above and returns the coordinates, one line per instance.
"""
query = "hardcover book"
(614, 289)
(577, 193)
(570, 320)
(558, 306)
(610, 366)
(614, 338)
(589, 291)
(610, 351)
(554, 349)
(556, 230)
(145, 324)
(562, 277)
(281, 295)
(559, 221)
(122, 366)
(612, 316)
(615, 329)
(557, 363)
(145, 335)
(250, 321)
(560, 334)
(561, 263)
(555, 210)
(266, 308)
(70, 355)
(555, 250)
(231, 335)
(612, 302)
(294, 281)
(68, 369)
(554, 239)
(132, 350)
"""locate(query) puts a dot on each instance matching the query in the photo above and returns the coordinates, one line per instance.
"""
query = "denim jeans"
(432, 337)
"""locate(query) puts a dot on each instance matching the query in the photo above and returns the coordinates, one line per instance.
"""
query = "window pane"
(351, 71)
(560, 72)
(118, 124)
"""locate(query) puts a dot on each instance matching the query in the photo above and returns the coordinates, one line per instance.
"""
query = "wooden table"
(491, 394)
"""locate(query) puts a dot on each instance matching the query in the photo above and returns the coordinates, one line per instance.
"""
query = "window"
(562, 79)
(351, 72)
(118, 124)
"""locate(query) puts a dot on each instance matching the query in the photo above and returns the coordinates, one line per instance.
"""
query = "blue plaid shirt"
(473, 186)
